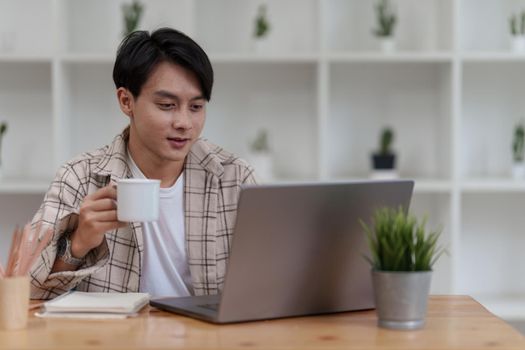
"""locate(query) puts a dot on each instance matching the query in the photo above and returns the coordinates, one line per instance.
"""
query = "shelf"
(263, 58)
(432, 186)
(227, 26)
(492, 185)
(215, 58)
(366, 97)
(88, 58)
(421, 186)
(24, 186)
(281, 98)
(399, 56)
(496, 56)
(25, 58)
(508, 307)
(422, 26)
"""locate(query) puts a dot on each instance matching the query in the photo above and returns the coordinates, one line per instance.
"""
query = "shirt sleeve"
(249, 177)
(60, 210)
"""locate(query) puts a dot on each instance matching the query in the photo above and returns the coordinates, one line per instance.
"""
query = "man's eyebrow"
(167, 94)
(164, 93)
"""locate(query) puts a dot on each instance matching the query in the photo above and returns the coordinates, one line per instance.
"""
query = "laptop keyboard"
(213, 307)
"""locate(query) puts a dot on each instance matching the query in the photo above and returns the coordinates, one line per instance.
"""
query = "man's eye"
(166, 106)
(197, 107)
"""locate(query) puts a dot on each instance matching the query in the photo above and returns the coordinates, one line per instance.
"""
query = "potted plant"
(517, 31)
(132, 15)
(261, 29)
(518, 148)
(402, 255)
(384, 160)
(261, 157)
(386, 22)
(3, 130)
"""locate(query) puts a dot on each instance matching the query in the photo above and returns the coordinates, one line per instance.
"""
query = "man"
(163, 81)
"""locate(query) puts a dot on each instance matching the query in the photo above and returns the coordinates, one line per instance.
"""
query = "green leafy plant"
(385, 142)
(262, 26)
(260, 144)
(518, 143)
(517, 24)
(399, 243)
(3, 129)
(386, 19)
(132, 15)
(513, 22)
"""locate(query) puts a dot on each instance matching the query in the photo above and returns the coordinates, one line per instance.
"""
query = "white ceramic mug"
(138, 200)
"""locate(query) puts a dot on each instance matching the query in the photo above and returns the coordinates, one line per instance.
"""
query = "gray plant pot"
(401, 298)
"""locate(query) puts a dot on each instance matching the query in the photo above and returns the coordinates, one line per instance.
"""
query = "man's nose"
(181, 119)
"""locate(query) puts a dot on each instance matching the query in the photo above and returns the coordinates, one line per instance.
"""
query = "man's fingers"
(104, 216)
(101, 205)
(105, 192)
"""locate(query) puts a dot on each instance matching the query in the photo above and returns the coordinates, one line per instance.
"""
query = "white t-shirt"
(165, 270)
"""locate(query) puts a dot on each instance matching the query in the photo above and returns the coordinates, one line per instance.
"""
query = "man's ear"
(125, 100)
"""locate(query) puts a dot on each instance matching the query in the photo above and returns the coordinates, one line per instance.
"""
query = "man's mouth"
(178, 142)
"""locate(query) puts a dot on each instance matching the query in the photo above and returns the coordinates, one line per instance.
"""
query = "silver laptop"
(298, 249)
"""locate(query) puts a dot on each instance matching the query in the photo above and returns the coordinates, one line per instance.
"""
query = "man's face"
(168, 115)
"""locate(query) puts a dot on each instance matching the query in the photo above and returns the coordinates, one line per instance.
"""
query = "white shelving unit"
(452, 91)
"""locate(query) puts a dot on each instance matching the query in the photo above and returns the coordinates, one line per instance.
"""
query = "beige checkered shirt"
(212, 185)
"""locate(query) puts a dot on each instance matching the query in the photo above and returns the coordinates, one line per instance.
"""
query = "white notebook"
(95, 305)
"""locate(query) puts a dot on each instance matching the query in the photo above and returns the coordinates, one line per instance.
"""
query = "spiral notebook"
(94, 305)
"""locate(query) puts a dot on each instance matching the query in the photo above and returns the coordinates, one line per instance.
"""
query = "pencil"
(13, 250)
(25, 248)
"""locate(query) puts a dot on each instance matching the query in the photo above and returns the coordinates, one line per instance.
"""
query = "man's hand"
(98, 214)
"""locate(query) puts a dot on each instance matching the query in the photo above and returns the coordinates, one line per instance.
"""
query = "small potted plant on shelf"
(261, 29)
(260, 157)
(386, 22)
(3, 130)
(518, 149)
(384, 160)
(517, 31)
(132, 15)
(403, 254)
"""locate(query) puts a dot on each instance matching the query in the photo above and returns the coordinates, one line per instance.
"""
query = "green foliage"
(386, 19)
(3, 129)
(132, 14)
(262, 26)
(399, 243)
(517, 24)
(513, 22)
(260, 144)
(387, 137)
(518, 143)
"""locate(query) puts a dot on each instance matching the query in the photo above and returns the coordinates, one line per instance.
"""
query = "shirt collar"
(205, 155)
(114, 161)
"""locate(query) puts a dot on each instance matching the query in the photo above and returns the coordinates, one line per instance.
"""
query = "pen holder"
(14, 302)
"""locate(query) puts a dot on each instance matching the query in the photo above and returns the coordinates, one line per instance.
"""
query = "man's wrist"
(77, 250)
(64, 251)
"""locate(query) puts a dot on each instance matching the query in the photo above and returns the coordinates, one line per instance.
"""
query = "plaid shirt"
(212, 185)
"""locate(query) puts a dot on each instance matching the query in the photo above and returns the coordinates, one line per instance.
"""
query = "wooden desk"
(453, 322)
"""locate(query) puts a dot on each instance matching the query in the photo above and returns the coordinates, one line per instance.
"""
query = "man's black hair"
(140, 52)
